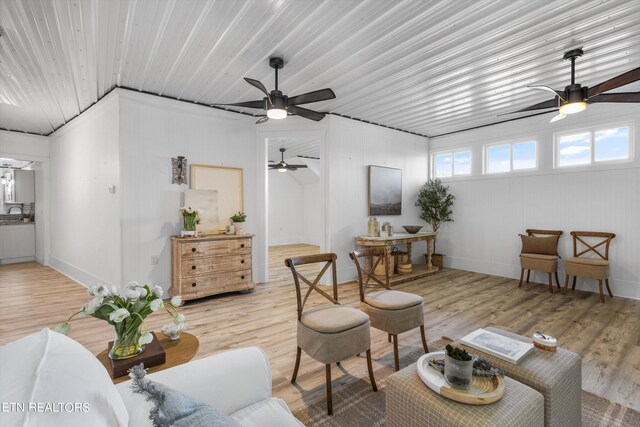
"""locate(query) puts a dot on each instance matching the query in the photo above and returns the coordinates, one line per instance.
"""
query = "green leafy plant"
(239, 217)
(435, 203)
(457, 353)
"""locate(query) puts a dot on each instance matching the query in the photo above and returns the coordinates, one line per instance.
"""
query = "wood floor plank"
(456, 302)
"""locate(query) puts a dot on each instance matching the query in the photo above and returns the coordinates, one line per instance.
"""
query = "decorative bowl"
(412, 229)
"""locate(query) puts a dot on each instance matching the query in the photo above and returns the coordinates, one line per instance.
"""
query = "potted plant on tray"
(458, 367)
(238, 221)
(435, 203)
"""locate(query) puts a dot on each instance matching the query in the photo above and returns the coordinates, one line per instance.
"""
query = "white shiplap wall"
(490, 211)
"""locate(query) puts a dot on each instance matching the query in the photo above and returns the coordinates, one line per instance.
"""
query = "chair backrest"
(603, 239)
(372, 257)
(330, 261)
(535, 233)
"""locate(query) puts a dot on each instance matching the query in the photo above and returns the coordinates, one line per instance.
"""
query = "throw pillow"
(539, 245)
(172, 408)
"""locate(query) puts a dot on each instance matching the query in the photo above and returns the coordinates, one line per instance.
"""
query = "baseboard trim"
(77, 274)
(619, 287)
(17, 260)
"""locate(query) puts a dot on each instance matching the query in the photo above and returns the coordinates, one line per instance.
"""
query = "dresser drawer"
(222, 282)
(199, 266)
(215, 247)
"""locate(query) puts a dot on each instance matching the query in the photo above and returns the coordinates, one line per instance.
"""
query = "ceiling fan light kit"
(575, 97)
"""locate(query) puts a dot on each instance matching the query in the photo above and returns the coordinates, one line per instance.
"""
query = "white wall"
(152, 131)
(313, 214)
(285, 209)
(490, 211)
(353, 147)
(85, 216)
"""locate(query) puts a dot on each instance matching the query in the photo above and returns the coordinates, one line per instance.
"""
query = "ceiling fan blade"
(616, 97)
(558, 93)
(262, 120)
(291, 168)
(248, 104)
(552, 103)
(621, 80)
(558, 117)
(307, 114)
(258, 84)
(298, 166)
(315, 96)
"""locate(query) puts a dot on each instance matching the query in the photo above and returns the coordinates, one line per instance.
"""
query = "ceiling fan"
(278, 105)
(575, 97)
(283, 166)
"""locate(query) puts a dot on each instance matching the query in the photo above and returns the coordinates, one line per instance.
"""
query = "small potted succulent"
(238, 221)
(458, 367)
(435, 202)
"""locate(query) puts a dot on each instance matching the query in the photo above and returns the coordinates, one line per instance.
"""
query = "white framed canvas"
(227, 181)
(207, 202)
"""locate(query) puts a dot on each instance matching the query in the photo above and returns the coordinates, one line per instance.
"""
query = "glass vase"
(126, 345)
(458, 373)
(189, 222)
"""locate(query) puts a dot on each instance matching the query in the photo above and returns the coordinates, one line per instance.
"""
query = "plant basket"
(436, 259)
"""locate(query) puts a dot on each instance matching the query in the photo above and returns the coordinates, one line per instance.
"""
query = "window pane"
(462, 163)
(611, 144)
(498, 159)
(443, 165)
(524, 155)
(574, 149)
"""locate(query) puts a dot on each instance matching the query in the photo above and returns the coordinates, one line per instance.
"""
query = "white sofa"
(49, 379)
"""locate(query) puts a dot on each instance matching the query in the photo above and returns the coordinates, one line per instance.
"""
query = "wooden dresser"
(210, 264)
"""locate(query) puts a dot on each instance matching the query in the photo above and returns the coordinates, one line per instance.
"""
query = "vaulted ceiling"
(429, 67)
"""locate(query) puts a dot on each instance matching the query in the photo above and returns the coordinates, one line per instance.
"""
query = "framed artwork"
(227, 181)
(385, 191)
(207, 201)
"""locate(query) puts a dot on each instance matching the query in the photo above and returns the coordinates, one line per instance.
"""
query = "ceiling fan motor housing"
(575, 93)
(278, 99)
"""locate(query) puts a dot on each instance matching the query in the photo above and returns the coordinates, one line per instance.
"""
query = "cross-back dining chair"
(540, 253)
(329, 334)
(393, 312)
(596, 267)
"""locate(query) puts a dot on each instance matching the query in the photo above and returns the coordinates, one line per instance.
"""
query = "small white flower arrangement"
(126, 312)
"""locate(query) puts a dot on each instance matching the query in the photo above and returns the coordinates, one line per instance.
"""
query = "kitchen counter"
(17, 242)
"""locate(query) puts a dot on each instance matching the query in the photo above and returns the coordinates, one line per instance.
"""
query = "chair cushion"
(589, 261)
(539, 245)
(272, 412)
(540, 256)
(333, 319)
(392, 300)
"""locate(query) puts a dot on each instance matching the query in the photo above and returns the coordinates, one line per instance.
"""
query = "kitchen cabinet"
(25, 186)
(17, 242)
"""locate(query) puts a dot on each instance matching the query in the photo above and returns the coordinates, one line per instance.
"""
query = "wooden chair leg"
(606, 281)
(601, 293)
(424, 339)
(528, 274)
(521, 277)
(396, 360)
(557, 280)
(550, 284)
(389, 337)
(370, 368)
(566, 284)
(295, 369)
(338, 364)
(329, 402)
(573, 286)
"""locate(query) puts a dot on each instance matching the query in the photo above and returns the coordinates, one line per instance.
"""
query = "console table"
(404, 239)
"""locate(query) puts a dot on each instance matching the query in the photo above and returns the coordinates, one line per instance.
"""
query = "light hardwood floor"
(456, 302)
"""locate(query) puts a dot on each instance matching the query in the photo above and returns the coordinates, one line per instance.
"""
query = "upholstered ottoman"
(555, 374)
(410, 402)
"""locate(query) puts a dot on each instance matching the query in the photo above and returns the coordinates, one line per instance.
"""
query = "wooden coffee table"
(177, 353)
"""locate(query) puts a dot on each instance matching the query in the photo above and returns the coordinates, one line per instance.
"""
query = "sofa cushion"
(272, 412)
(540, 245)
(334, 319)
(392, 300)
(64, 383)
(172, 408)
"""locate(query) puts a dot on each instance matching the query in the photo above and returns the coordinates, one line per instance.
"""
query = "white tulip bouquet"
(126, 313)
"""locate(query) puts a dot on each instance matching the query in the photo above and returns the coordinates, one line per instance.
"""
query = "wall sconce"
(179, 170)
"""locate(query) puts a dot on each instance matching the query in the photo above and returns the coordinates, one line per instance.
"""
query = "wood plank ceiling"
(429, 67)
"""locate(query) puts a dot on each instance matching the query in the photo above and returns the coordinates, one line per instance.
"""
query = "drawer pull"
(193, 285)
(241, 262)
(193, 249)
(242, 245)
(242, 277)
(193, 267)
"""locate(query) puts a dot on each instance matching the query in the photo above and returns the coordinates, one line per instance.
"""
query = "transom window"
(501, 158)
(457, 163)
(594, 146)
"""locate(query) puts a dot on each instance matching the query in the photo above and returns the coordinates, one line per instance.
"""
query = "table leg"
(429, 253)
(409, 252)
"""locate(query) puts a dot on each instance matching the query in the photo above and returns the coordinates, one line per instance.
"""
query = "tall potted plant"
(435, 203)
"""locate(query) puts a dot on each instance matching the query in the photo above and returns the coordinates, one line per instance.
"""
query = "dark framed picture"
(385, 191)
